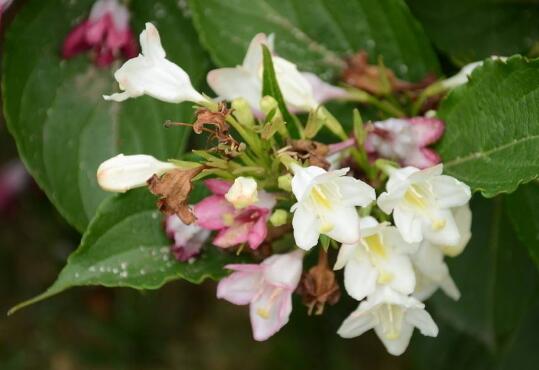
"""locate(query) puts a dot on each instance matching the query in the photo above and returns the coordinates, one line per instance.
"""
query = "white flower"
(393, 317)
(326, 205)
(462, 76)
(432, 273)
(301, 91)
(380, 257)
(421, 203)
(243, 192)
(124, 172)
(152, 74)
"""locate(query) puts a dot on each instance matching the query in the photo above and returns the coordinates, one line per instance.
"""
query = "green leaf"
(497, 279)
(125, 246)
(491, 140)
(470, 30)
(317, 34)
(523, 208)
(54, 108)
(270, 86)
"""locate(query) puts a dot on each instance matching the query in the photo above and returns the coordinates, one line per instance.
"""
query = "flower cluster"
(376, 201)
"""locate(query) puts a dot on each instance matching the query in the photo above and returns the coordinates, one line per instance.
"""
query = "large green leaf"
(523, 207)
(496, 277)
(492, 127)
(54, 109)
(318, 33)
(125, 246)
(470, 30)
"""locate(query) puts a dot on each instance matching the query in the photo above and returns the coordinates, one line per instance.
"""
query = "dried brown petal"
(312, 151)
(173, 188)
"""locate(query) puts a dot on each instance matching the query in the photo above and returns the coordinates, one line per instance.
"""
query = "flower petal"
(303, 179)
(239, 287)
(346, 253)
(409, 225)
(345, 222)
(360, 278)
(284, 270)
(426, 130)
(450, 192)
(269, 312)
(398, 345)
(422, 320)
(356, 192)
(218, 187)
(212, 211)
(357, 324)
(232, 83)
(306, 228)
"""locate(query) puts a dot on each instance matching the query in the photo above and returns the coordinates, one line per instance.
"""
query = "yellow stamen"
(413, 197)
(375, 244)
(319, 197)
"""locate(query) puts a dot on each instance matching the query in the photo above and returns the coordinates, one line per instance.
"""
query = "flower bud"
(267, 104)
(124, 172)
(285, 182)
(279, 217)
(243, 112)
(243, 192)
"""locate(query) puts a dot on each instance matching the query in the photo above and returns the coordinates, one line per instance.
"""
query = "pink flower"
(106, 32)
(188, 239)
(405, 140)
(267, 288)
(235, 226)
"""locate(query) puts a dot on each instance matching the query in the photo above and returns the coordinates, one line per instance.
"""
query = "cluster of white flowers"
(389, 267)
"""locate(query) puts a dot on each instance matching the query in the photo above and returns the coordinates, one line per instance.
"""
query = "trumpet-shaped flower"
(124, 172)
(188, 239)
(235, 226)
(243, 192)
(380, 257)
(106, 32)
(405, 140)
(393, 317)
(327, 205)
(152, 74)
(421, 202)
(267, 288)
(301, 91)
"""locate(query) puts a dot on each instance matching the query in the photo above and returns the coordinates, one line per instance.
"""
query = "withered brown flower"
(173, 188)
(318, 286)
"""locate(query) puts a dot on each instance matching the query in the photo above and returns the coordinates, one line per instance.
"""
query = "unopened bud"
(124, 172)
(243, 112)
(285, 182)
(268, 104)
(243, 192)
(279, 217)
